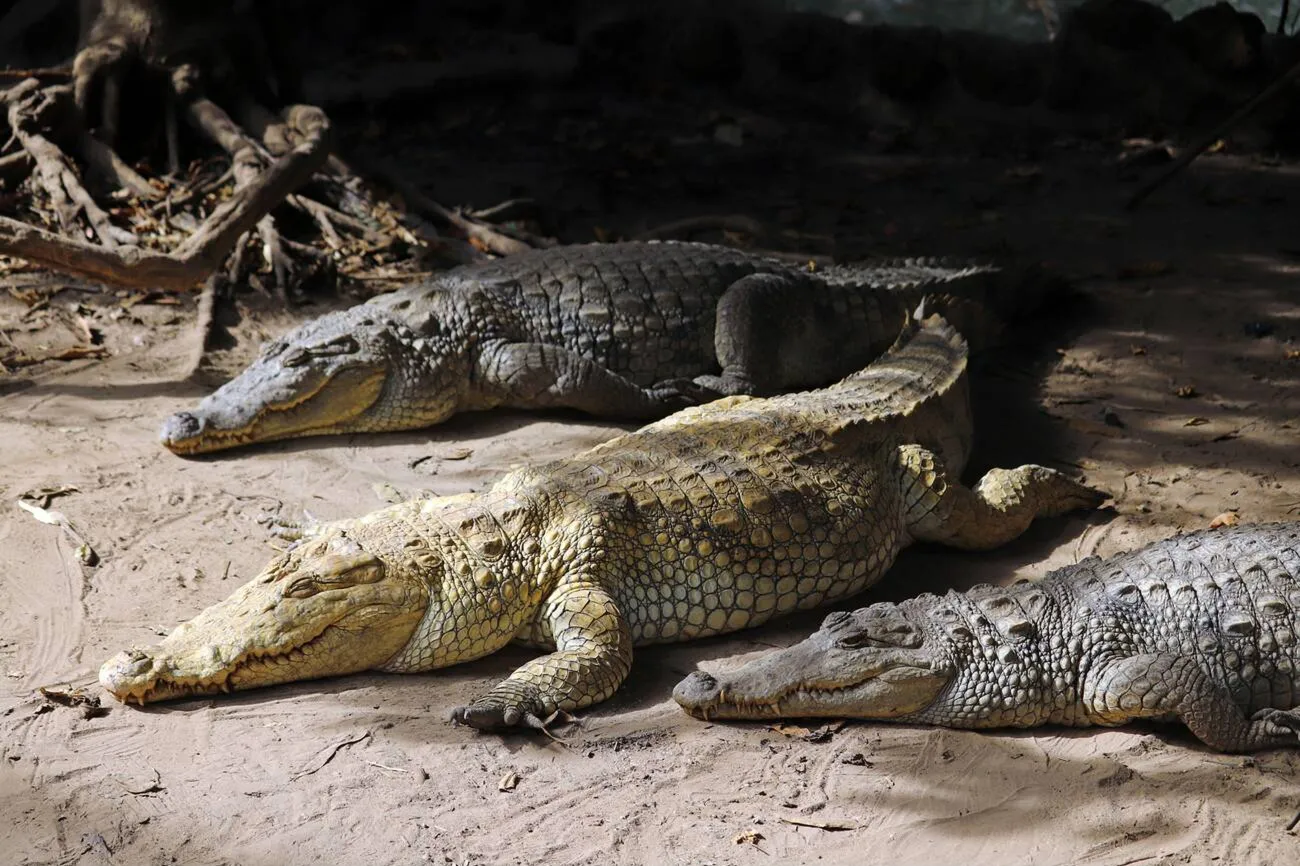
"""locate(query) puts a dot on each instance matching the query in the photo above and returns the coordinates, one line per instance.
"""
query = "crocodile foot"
(1282, 724)
(680, 393)
(488, 715)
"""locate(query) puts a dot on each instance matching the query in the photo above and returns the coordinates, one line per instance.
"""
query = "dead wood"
(488, 237)
(29, 109)
(202, 252)
(1207, 141)
(105, 162)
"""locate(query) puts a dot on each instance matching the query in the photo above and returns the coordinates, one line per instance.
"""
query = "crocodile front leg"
(998, 509)
(1158, 685)
(541, 375)
(593, 655)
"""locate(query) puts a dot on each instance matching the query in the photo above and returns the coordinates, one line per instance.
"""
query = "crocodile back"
(646, 309)
(1029, 654)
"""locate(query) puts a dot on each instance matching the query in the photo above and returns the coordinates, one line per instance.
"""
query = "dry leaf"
(1196, 422)
(43, 495)
(821, 825)
(1186, 391)
(1137, 350)
(790, 730)
(456, 454)
(53, 518)
(1227, 518)
(508, 782)
(749, 837)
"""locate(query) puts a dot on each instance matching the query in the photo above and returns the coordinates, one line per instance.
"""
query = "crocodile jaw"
(337, 613)
(318, 404)
(351, 371)
(881, 675)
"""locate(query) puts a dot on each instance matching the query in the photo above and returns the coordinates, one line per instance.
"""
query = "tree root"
(119, 261)
(503, 242)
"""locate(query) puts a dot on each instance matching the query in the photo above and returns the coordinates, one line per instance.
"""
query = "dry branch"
(1207, 141)
(490, 238)
(198, 256)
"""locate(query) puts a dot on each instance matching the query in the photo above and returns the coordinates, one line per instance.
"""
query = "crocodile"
(628, 331)
(1200, 628)
(714, 519)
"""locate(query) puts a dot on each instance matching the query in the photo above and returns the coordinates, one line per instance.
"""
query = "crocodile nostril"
(698, 688)
(182, 425)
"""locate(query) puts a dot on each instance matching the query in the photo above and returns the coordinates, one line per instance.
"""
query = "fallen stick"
(194, 259)
(491, 239)
(104, 160)
(1186, 157)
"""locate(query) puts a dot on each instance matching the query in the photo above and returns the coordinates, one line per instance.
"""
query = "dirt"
(1174, 387)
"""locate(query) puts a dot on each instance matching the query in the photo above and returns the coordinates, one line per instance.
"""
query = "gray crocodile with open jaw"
(624, 331)
(1200, 628)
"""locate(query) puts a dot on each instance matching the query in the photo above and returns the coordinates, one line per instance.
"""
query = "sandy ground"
(366, 769)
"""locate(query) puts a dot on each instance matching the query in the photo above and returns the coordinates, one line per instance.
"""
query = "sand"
(367, 770)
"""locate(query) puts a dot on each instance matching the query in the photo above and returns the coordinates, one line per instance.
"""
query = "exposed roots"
(295, 212)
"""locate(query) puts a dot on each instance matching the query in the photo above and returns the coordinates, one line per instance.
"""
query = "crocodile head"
(872, 663)
(351, 371)
(326, 607)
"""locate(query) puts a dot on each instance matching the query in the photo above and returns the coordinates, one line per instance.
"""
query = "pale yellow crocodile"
(714, 519)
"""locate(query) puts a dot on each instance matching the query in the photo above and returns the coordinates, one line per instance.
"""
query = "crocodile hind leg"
(999, 508)
(541, 375)
(593, 655)
(1158, 686)
(777, 333)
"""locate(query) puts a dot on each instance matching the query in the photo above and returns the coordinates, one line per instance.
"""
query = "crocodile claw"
(494, 717)
(1281, 722)
(490, 717)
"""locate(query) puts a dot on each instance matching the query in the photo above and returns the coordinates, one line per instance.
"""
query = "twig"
(328, 756)
(203, 324)
(104, 159)
(820, 825)
(1295, 822)
(1187, 156)
(490, 238)
(198, 256)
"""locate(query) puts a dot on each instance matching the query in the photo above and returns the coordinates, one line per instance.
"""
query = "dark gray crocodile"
(624, 331)
(1200, 628)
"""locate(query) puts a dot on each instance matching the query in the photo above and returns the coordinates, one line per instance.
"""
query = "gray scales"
(628, 331)
(1200, 628)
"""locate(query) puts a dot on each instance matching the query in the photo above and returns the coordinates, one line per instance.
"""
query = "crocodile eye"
(836, 619)
(898, 634)
(336, 572)
(342, 345)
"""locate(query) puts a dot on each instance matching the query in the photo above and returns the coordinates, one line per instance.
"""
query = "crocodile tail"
(982, 326)
(927, 359)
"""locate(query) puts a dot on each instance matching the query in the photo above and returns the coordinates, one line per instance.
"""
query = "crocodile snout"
(698, 690)
(181, 426)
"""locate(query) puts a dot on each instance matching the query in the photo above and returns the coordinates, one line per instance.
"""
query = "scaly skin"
(1200, 628)
(631, 330)
(714, 519)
